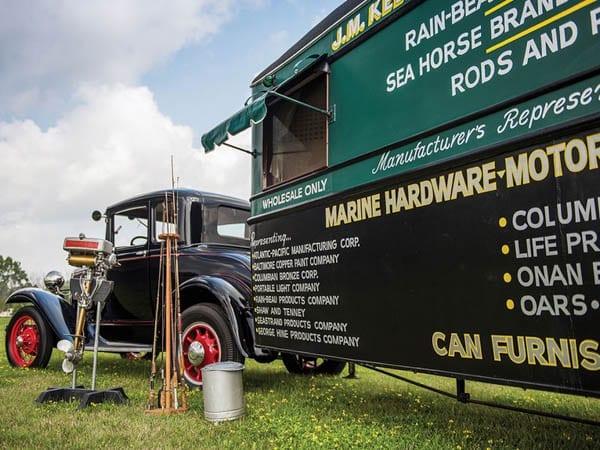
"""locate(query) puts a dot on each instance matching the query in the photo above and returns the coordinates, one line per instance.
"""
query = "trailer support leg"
(461, 395)
(352, 372)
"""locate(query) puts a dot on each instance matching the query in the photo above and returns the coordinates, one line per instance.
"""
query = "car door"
(130, 233)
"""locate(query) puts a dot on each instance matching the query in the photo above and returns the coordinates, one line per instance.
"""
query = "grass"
(285, 411)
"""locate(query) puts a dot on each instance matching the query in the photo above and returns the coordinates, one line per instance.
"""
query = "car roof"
(205, 197)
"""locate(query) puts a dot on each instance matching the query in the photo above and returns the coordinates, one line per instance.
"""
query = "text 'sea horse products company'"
(426, 192)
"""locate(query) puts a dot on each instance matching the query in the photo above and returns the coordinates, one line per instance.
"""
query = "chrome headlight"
(54, 280)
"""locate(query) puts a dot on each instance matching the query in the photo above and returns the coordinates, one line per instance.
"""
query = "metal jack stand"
(86, 397)
(96, 255)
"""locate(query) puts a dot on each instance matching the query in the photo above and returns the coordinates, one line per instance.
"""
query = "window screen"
(295, 137)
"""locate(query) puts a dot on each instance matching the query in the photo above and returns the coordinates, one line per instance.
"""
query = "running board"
(121, 347)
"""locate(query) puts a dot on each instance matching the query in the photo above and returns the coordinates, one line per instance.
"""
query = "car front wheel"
(28, 340)
(206, 339)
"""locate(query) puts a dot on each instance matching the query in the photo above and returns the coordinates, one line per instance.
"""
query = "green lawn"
(285, 411)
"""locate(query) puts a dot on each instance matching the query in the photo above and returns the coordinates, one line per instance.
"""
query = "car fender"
(230, 299)
(53, 308)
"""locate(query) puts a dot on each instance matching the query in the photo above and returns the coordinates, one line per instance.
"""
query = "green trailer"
(426, 192)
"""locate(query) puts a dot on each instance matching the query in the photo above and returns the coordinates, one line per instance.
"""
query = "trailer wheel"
(28, 340)
(206, 339)
(136, 356)
(306, 365)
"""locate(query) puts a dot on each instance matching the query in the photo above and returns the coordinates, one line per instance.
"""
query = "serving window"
(294, 135)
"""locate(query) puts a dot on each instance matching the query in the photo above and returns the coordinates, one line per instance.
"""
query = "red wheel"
(28, 342)
(206, 339)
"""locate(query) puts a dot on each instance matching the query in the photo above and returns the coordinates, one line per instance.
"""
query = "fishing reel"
(89, 287)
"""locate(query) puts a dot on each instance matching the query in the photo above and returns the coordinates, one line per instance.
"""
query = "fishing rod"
(172, 374)
(180, 362)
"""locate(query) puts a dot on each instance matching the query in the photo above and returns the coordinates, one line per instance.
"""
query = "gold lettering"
(353, 211)
(435, 342)
(516, 172)
(593, 145)
(589, 352)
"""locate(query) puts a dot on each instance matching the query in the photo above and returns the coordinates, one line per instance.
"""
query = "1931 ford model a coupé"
(215, 288)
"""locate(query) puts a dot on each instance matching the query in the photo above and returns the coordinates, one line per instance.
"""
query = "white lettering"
(595, 19)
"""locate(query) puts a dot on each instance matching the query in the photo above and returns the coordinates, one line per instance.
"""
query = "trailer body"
(426, 190)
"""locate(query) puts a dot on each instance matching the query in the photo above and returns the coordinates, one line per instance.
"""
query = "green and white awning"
(255, 112)
(252, 113)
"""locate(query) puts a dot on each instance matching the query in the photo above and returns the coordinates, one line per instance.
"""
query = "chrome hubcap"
(195, 353)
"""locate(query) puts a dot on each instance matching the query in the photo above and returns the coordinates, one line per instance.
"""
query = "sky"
(97, 98)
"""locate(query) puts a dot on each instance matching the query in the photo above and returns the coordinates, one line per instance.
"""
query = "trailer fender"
(53, 308)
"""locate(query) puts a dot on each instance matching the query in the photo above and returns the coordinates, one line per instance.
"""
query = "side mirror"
(96, 216)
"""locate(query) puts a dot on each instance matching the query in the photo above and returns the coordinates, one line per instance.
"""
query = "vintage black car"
(215, 288)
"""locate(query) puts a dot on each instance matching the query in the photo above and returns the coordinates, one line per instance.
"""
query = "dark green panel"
(576, 102)
(373, 112)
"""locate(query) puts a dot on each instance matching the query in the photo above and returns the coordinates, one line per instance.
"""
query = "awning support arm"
(253, 152)
(298, 102)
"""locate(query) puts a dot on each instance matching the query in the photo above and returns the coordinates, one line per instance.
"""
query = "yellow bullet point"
(505, 249)
(507, 277)
(502, 222)
(510, 304)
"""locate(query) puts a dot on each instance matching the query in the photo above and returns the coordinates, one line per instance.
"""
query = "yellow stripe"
(497, 7)
(540, 25)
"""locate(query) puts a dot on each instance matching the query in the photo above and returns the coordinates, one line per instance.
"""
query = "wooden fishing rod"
(180, 378)
(169, 399)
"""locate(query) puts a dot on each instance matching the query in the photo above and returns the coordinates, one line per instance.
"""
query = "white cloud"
(77, 63)
(114, 145)
(49, 47)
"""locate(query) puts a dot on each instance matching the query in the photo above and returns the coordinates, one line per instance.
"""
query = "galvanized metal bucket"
(223, 391)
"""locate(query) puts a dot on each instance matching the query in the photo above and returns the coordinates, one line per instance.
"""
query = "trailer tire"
(136, 356)
(308, 365)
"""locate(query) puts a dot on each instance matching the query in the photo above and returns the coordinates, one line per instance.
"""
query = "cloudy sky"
(96, 97)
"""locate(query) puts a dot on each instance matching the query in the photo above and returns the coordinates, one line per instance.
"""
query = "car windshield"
(130, 227)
